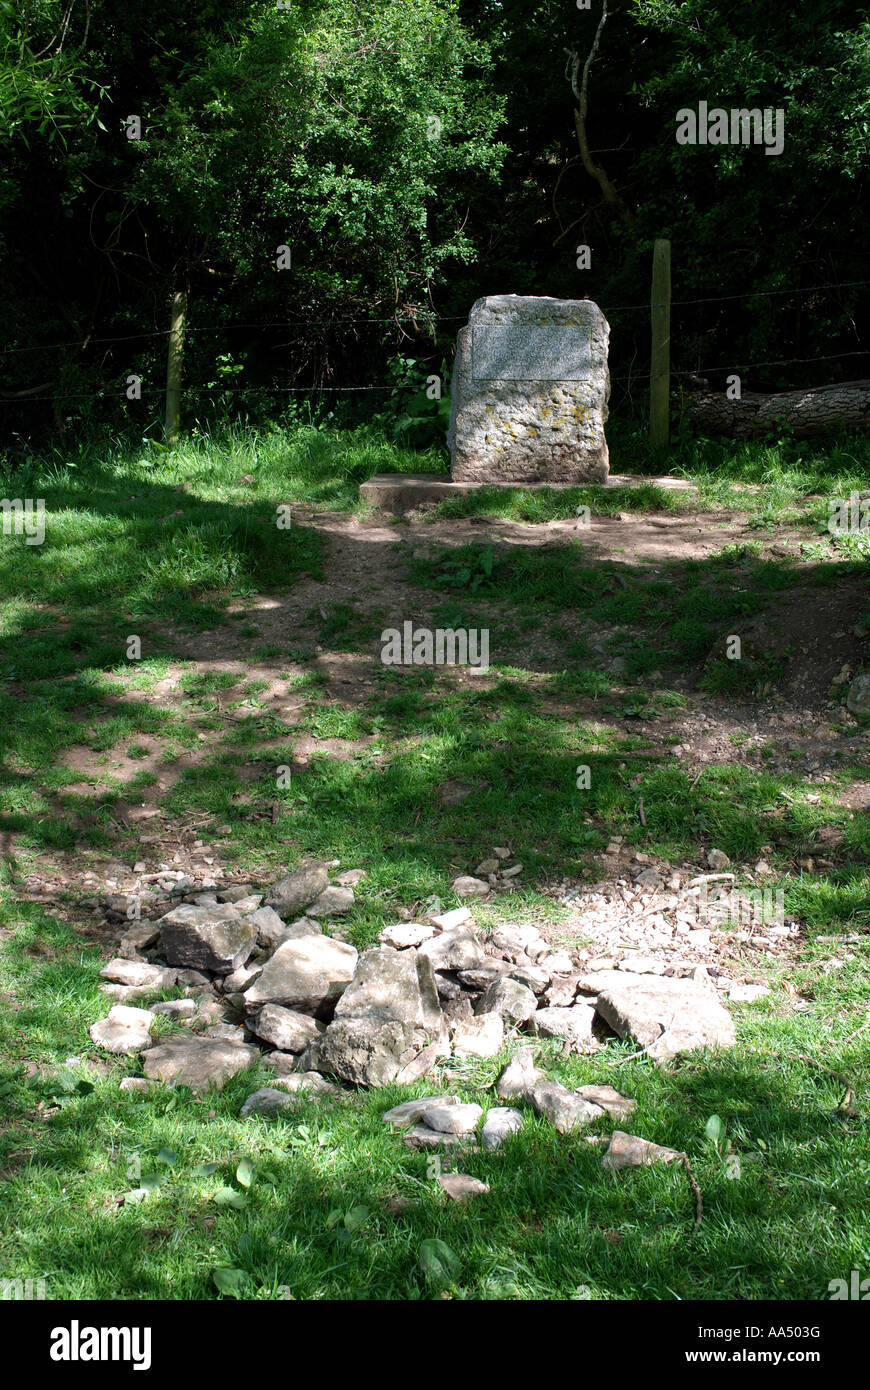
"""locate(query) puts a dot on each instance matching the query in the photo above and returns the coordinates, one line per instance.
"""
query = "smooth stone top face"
(198, 1062)
(665, 1015)
(529, 392)
(303, 974)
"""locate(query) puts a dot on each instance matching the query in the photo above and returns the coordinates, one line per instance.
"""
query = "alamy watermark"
(19, 519)
(847, 515)
(22, 1290)
(856, 1289)
(739, 126)
(423, 646)
(741, 907)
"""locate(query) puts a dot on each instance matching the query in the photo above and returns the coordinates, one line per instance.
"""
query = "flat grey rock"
(198, 1062)
(292, 894)
(332, 902)
(285, 1029)
(134, 972)
(520, 1076)
(393, 985)
(666, 1015)
(478, 1037)
(563, 1108)
(366, 1050)
(455, 949)
(628, 1151)
(500, 1123)
(207, 938)
(452, 1119)
(123, 1030)
(507, 997)
(304, 974)
(573, 1024)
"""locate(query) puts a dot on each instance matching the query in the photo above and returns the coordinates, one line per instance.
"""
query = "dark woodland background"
(312, 126)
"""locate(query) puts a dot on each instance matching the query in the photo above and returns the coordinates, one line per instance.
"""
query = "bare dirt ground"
(799, 725)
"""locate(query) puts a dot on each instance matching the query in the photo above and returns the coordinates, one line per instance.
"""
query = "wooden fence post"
(660, 355)
(173, 365)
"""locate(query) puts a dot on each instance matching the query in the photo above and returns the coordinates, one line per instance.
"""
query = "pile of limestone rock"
(259, 978)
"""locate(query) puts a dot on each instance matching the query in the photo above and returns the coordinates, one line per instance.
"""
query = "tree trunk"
(811, 411)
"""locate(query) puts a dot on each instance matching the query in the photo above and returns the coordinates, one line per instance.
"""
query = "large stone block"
(529, 392)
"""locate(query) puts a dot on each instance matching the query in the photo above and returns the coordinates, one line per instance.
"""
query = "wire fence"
(424, 320)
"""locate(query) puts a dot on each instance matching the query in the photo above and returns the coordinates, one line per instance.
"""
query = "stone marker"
(529, 392)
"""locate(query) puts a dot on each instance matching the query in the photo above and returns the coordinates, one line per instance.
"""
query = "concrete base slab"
(399, 492)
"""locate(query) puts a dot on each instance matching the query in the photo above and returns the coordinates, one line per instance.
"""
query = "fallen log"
(810, 411)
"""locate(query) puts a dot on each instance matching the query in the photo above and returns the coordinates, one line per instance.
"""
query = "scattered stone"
(718, 861)
(266, 1101)
(747, 994)
(207, 938)
(422, 1137)
(137, 939)
(512, 871)
(643, 965)
(562, 991)
(507, 997)
(123, 994)
(534, 977)
(457, 1118)
(559, 963)
(517, 942)
(351, 878)
(520, 1076)
(461, 1188)
(466, 886)
(501, 852)
(410, 1111)
(332, 902)
(123, 1030)
(310, 1083)
(419, 1066)
(134, 972)
(628, 1151)
(616, 1104)
(393, 984)
(484, 975)
(563, 1108)
(858, 699)
(488, 866)
(138, 1084)
(241, 978)
(291, 895)
(403, 935)
(268, 925)
(305, 974)
(282, 1063)
(454, 918)
(478, 1037)
(500, 1123)
(235, 892)
(285, 1029)
(198, 1062)
(303, 926)
(665, 1015)
(574, 1024)
(454, 949)
(176, 1008)
(367, 1050)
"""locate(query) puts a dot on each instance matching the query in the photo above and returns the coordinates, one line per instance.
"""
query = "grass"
(554, 1220)
(89, 733)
